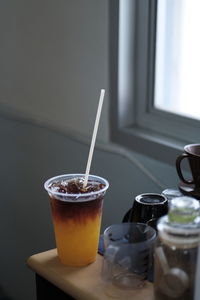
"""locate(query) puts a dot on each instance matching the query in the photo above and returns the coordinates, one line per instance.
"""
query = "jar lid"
(177, 233)
(183, 210)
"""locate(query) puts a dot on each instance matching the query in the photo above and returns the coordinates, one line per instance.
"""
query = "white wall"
(54, 61)
(31, 154)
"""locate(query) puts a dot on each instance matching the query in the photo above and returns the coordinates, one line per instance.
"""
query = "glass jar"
(175, 254)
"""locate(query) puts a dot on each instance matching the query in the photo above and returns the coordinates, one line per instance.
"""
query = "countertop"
(83, 283)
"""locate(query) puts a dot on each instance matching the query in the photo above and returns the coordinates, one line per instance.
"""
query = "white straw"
(96, 124)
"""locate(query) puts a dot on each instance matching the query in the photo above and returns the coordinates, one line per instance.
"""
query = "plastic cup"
(76, 220)
(128, 254)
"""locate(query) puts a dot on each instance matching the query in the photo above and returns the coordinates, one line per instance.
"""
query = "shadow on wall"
(30, 155)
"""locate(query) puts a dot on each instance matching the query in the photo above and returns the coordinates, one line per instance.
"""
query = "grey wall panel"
(31, 154)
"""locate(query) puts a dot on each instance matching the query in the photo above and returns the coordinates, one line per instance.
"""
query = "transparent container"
(171, 194)
(175, 255)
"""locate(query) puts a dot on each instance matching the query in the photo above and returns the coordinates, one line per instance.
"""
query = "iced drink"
(76, 213)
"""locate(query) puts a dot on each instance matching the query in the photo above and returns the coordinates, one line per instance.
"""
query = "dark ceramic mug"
(147, 208)
(192, 154)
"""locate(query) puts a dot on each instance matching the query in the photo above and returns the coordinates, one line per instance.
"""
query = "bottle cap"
(183, 210)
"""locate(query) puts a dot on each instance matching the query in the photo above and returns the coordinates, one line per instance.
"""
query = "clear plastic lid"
(181, 227)
(69, 197)
(183, 210)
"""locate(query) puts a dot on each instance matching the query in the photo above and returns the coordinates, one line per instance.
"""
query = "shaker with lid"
(176, 250)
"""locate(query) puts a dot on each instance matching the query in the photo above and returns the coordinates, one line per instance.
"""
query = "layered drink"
(76, 213)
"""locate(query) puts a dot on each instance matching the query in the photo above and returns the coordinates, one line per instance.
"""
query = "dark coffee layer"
(78, 211)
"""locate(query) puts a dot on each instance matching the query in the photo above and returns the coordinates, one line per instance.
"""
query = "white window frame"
(135, 123)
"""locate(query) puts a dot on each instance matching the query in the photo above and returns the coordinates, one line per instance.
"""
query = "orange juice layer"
(77, 243)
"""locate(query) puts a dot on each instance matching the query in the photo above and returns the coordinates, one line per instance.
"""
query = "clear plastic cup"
(128, 254)
(76, 220)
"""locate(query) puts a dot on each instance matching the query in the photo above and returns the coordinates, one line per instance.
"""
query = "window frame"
(134, 122)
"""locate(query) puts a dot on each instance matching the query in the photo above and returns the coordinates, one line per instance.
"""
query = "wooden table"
(60, 282)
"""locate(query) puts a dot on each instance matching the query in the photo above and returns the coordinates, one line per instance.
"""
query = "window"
(142, 48)
(177, 58)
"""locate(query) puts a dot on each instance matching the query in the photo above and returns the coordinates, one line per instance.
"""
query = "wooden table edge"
(47, 265)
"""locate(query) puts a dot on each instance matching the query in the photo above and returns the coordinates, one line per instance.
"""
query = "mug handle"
(178, 168)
